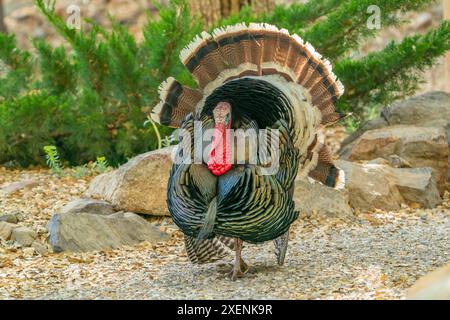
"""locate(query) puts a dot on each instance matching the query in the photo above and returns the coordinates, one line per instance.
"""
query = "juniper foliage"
(92, 99)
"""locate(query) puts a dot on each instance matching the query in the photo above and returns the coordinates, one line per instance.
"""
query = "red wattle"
(220, 157)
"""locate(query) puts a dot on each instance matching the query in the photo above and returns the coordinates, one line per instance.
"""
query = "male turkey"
(249, 77)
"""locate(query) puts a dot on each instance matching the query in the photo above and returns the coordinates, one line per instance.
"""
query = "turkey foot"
(240, 268)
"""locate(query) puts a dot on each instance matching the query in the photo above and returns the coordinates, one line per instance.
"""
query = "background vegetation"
(91, 99)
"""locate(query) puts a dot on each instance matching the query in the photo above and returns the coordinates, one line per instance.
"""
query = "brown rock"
(434, 286)
(369, 125)
(416, 146)
(6, 230)
(28, 252)
(378, 186)
(315, 199)
(431, 109)
(139, 185)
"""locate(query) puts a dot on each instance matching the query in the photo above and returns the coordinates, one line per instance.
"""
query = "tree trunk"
(2, 16)
(447, 58)
(213, 10)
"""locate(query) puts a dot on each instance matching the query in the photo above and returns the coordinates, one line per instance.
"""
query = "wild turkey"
(249, 77)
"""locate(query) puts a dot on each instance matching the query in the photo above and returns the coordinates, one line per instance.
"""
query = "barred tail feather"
(326, 172)
(257, 50)
(205, 250)
(261, 49)
(176, 101)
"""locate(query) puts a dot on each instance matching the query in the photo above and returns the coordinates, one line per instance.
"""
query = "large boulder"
(80, 232)
(418, 146)
(434, 286)
(139, 185)
(378, 186)
(427, 110)
(317, 200)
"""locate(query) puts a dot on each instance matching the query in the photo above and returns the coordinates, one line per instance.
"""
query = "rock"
(393, 160)
(23, 236)
(427, 110)
(379, 161)
(434, 286)
(28, 252)
(139, 185)
(380, 186)
(39, 247)
(89, 206)
(6, 230)
(398, 162)
(79, 232)
(313, 198)
(431, 109)
(369, 125)
(10, 218)
(16, 186)
(416, 146)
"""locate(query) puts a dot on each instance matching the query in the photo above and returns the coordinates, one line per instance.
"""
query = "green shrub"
(94, 99)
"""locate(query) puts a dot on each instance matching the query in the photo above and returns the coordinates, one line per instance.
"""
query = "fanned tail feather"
(258, 49)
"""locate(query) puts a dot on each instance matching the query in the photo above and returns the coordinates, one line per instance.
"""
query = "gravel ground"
(377, 257)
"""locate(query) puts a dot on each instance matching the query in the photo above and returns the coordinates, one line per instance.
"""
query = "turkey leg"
(240, 267)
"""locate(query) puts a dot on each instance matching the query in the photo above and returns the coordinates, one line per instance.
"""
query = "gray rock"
(16, 186)
(39, 247)
(380, 186)
(6, 230)
(79, 232)
(89, 206)
(318, 200)
(23, 236)
(431, 109)
(139, 185)
(415, 146)
(10, 218)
